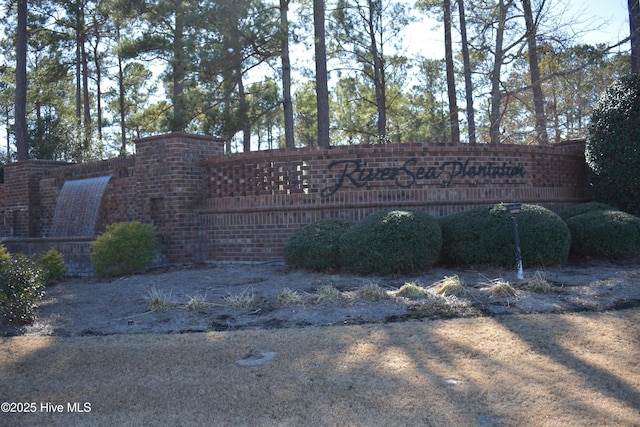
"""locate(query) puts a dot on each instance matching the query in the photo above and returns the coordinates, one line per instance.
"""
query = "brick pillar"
(22, 197)
(171, 180)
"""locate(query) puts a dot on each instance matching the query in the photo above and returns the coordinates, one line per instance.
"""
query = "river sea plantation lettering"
(356, 173)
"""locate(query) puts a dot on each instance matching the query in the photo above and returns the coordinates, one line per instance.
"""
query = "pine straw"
(539, 370)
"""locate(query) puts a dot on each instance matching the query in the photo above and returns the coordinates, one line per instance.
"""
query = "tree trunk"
(378, 74)
(322, 89)
(538, 96)
(496, 92)
(22, 135)
(121, 106)
(451, 83)
(468, 85)
(634, 24)
(179, 70)
(287, 103)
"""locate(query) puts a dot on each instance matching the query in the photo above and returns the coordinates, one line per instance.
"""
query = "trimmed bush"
(583, 208)
(4, 254)
(316, 246)
(21, 288)
(613, 145)
(124, 248)
(609, 234)
(52, 263)
(485, 236)
(392, 241)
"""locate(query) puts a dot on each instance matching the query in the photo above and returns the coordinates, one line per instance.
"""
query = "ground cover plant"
(124, 248)
(391, 241)
(21, 287)
(484, 235)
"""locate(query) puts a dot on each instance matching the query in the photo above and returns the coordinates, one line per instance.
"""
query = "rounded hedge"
(124, 248)
(485, 236)
(610, 234)
(392, 241)
(583, 208)
(316, 246)
(613, 145)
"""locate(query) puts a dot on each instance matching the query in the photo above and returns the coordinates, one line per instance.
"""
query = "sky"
(605, 21)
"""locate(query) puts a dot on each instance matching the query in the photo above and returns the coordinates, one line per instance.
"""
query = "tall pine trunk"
(534, 69)
(451, 83)
(22, 135)
(287, 102)
(322, 89)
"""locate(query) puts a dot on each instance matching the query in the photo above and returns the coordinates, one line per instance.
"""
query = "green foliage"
(485, 236)
(583, 208)
(610, 234)
(5, 256)
(316, 246)
(392, 241)
(124, 248)
(613, 145)
(52, 264)
(21, 287)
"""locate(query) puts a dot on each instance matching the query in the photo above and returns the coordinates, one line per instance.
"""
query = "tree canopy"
(84, 78)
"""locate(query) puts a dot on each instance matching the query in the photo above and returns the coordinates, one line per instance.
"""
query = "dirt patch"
(277, 363)
(267, 296)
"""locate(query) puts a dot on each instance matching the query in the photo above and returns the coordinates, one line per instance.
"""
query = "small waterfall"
(78, 207)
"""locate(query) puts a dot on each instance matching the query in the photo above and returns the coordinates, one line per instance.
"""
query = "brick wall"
(244, 207)
(255, 201)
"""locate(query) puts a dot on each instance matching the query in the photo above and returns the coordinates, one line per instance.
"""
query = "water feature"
(78, 207)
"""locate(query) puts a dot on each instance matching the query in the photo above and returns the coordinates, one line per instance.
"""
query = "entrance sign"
(356, 173)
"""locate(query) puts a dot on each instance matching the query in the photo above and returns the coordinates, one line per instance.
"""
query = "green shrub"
(124, 248)
(4, 254)
(316, 246)
(583, 208)
(610, 234)
(485, 236)
(613, 145)
(21, 287)
(392, 241)
(52, 263)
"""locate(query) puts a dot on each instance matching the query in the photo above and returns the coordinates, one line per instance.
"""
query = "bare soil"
(249, 296)
(98, 355)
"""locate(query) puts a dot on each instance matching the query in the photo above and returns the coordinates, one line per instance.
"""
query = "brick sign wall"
(243, 207)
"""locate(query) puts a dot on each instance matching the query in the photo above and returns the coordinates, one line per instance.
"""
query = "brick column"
(170, 179)
(22, 213)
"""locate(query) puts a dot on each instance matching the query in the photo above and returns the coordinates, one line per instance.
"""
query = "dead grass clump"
(538, 283)
(244, 299)
(412, 291)
(288, 296)
(158, 300)
(327, 294)
(502, 289)
(197, 302)
(452, 286)
(372, 292)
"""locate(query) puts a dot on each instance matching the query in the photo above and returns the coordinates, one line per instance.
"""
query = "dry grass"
(538, 283)
(501, 288)
(197, 302)
(245, 299)
(451, 286)
(411, 291)
(372, 292)
(288, 296)
(158, 300)
(327, 295)
(532, 370)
